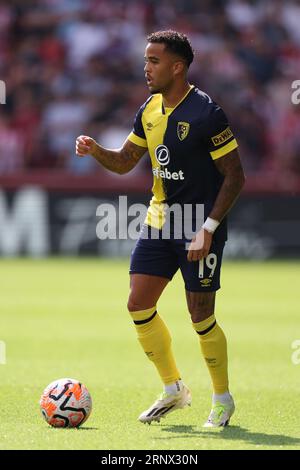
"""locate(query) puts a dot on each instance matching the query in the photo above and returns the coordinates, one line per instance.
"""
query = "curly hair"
(175, 42)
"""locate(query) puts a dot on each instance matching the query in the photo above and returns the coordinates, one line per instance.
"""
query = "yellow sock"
(156, 341)
(214, 349)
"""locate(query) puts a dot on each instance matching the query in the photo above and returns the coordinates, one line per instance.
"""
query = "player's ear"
(178, 67)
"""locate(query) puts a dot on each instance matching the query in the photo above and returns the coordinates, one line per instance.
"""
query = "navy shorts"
(159, 257)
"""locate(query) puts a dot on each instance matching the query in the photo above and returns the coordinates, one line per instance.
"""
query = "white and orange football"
(66, 403)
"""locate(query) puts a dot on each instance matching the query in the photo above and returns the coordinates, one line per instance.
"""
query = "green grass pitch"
(68, 318)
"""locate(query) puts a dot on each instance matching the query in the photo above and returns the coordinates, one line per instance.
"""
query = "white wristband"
(210, 225)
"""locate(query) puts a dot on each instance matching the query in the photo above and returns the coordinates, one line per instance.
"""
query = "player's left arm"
(231, 168)
(222, 146)
(234, 178)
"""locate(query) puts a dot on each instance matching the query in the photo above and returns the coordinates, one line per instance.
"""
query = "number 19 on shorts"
(210, 262)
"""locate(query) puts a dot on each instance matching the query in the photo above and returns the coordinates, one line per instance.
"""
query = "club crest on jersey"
(183, 128)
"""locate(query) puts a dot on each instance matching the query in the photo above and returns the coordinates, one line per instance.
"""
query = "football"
(66, 403)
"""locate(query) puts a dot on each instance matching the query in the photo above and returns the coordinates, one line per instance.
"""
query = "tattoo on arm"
(231, 168)
(119, 161)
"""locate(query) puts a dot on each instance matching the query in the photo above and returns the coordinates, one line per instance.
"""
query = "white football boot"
(220, 414)
(165, 404)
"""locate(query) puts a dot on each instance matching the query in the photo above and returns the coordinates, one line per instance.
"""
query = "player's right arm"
(119, 161)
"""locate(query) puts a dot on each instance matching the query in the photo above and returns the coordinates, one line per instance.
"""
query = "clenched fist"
(85, 145)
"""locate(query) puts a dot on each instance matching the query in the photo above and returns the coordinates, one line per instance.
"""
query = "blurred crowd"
(76, 67)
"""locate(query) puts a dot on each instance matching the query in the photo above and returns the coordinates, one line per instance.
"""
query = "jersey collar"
(182, 99)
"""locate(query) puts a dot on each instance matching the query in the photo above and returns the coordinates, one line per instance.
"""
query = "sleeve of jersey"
(137, 136)
(218, 135)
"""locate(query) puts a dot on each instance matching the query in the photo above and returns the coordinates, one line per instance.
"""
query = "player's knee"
(199, 311)
(133, 305)
(201, 305)
(198, 315)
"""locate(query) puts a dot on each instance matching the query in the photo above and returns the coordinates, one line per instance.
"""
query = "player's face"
(160, 68)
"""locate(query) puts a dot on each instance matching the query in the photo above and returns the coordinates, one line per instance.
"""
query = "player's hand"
(85, 145)
(200, 246)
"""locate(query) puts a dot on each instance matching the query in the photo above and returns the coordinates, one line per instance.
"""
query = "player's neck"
(173, 96)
